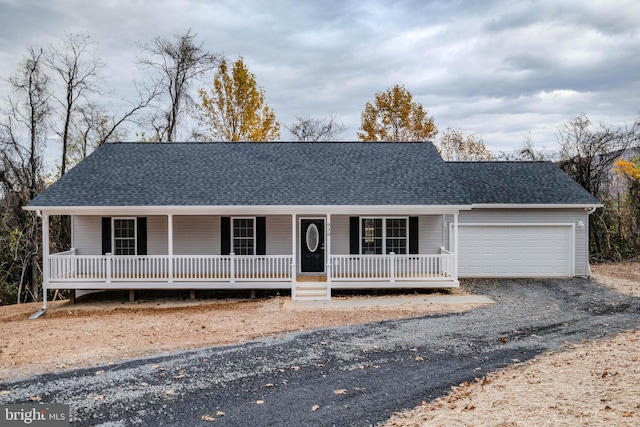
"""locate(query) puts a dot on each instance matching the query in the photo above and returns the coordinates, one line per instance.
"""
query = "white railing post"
(294, 256)
(328, 255)
(232, 267)
(456, 251)
(392, 266)
(170, 247)
(108, 261)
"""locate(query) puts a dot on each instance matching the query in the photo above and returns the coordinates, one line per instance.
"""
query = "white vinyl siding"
(340, 234)
(278, 235)
(431, 234)
(87, 235)
(200, 234)
(196, 235)
(157, 237)
(192, 235)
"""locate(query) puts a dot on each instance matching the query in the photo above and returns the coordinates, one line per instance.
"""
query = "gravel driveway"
(356, 375)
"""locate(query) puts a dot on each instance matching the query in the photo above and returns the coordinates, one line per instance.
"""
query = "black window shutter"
(413, 235)
(141, 238)
(354, 235)
(261, 235)
(225, 235)
(106, 234)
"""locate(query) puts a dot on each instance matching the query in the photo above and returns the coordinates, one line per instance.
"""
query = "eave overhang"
(536, 205)
(250, 210)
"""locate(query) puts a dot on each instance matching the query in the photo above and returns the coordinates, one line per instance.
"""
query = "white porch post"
(46, 273)
(170, 245)
(294, 256)
(455, 242)
(328, 255)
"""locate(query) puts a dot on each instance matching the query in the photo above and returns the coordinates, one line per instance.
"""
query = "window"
(124, 236)
(383, 235)
(244, 236)
(372, 235)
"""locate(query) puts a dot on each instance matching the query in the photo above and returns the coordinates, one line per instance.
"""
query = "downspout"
(589, 212)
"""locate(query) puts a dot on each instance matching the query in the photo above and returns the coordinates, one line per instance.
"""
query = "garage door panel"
(515, 250)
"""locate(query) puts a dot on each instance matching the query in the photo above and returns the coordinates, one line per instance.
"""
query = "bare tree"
(23, 132)
(588, 156)
(456, 146)
(93, 127)
(307, 128)
(175, 64)
(76, 64)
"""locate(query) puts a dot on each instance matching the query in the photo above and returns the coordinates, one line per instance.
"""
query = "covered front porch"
(306, 253)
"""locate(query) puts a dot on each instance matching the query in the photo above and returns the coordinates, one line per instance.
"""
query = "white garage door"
(515, 250)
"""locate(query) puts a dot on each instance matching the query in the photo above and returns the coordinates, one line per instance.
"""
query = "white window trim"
(233, 237)
(384, 231)
(113, 233)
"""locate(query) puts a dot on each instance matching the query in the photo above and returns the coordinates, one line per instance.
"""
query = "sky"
(498, 69)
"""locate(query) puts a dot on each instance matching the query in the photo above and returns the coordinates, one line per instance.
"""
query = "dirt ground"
(104, 330)
(587, 384)
(591, 384)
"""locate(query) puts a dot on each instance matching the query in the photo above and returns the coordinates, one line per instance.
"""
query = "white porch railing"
(68, 267)
(393, 267)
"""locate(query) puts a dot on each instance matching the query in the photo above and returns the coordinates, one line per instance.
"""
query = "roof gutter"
(249, 209)
(536, 206)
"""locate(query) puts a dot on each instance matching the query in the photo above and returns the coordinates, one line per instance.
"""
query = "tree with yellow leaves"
(235, 109)
(628, 206)
(395, 117)
(628, 169)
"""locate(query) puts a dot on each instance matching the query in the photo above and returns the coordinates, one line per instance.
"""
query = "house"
(309, 218)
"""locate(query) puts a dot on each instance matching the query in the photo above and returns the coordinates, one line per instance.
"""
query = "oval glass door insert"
(313, 238)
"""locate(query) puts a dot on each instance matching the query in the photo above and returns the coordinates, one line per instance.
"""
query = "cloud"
(495, 68)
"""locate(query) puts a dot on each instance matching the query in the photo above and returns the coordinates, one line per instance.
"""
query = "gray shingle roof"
(519, 183)
(272, 174)
(233, 174)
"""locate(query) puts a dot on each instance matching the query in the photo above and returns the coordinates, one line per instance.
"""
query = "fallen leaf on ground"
(268, 385)
(35, 398)
(219, 413)
(98, 397)
(419, 358)
(259, 402)
(4, 392)
(340, 391)
(169, 392)
(208, 418)
(315, 408)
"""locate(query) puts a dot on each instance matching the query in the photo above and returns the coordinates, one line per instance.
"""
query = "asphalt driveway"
(351, 376)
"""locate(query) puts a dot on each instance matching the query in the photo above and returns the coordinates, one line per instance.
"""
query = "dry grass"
(592, 384)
